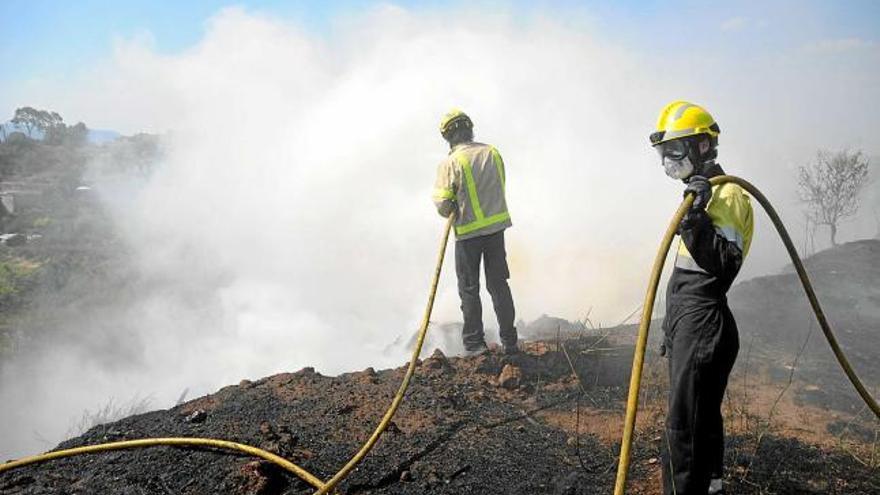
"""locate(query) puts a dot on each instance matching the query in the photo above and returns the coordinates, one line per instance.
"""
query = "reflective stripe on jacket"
(471, 181)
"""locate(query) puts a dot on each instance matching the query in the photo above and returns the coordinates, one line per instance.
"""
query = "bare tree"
(830, 187)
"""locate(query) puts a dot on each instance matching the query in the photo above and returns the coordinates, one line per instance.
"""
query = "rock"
(245, 384)
(366, 376)
(259, 478)
(510, 377)
(267, 431)
(653, 460)
(437, 360)
(285, 437)
(406, 476)
(197, 416)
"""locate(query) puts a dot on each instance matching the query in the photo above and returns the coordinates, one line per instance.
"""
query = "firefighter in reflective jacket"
(470, 185)
(700, 335)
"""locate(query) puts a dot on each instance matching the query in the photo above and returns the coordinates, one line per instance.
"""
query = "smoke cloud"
(290, 223)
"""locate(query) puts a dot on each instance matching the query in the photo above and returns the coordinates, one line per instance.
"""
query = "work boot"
(476, 351)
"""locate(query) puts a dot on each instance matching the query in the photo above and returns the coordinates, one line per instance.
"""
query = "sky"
(51, 39)
(290, 224)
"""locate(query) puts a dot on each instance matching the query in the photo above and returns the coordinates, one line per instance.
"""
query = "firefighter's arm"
(446, 188)
(719, 245)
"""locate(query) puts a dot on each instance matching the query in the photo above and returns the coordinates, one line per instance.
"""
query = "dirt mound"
(458, 430)
(490, 424)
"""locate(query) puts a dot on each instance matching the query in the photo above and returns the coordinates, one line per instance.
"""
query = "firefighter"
(700, 334)
(470, 185)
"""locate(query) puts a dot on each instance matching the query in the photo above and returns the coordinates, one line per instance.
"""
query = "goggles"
(676, 149)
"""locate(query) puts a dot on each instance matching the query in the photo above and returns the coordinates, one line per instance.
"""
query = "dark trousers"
(468, 254)
(702, 343)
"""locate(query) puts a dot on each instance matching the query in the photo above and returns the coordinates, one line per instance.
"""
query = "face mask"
(678, 169)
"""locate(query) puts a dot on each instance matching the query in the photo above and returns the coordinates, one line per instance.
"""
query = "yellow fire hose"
(153, 442)
(323, 487)
(648, 309)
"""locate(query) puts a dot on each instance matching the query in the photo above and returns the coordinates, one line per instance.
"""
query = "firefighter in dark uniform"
(700, 335)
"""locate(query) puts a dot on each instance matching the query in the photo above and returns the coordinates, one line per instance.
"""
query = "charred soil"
(544, 421)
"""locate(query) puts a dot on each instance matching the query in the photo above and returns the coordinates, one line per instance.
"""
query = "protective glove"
(447, 207)
(700, 187)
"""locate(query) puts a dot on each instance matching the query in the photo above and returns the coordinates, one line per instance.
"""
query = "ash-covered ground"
(545, 421)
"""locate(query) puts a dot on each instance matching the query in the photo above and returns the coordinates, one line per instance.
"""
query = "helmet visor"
(676, 149)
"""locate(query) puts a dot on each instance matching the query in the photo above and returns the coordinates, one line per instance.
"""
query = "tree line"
(50, 124)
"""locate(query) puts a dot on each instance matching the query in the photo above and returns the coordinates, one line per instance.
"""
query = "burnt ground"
(775, 319)
(467, 426)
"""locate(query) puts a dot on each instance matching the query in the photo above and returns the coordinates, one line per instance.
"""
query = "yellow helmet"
(453, 119)
(682, 119)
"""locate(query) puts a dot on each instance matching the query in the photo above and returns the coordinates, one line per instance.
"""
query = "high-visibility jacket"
(713, 244)
(470, 182)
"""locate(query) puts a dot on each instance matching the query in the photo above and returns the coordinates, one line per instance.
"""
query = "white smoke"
(291, 224)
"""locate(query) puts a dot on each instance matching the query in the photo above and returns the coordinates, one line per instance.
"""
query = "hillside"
(491, 424)
(458, 428)
(775, 319)
(59, 249)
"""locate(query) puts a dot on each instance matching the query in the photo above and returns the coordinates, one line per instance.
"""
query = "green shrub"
(15, 274)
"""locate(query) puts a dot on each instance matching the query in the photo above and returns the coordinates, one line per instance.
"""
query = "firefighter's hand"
(700, 187)
(447, 208)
